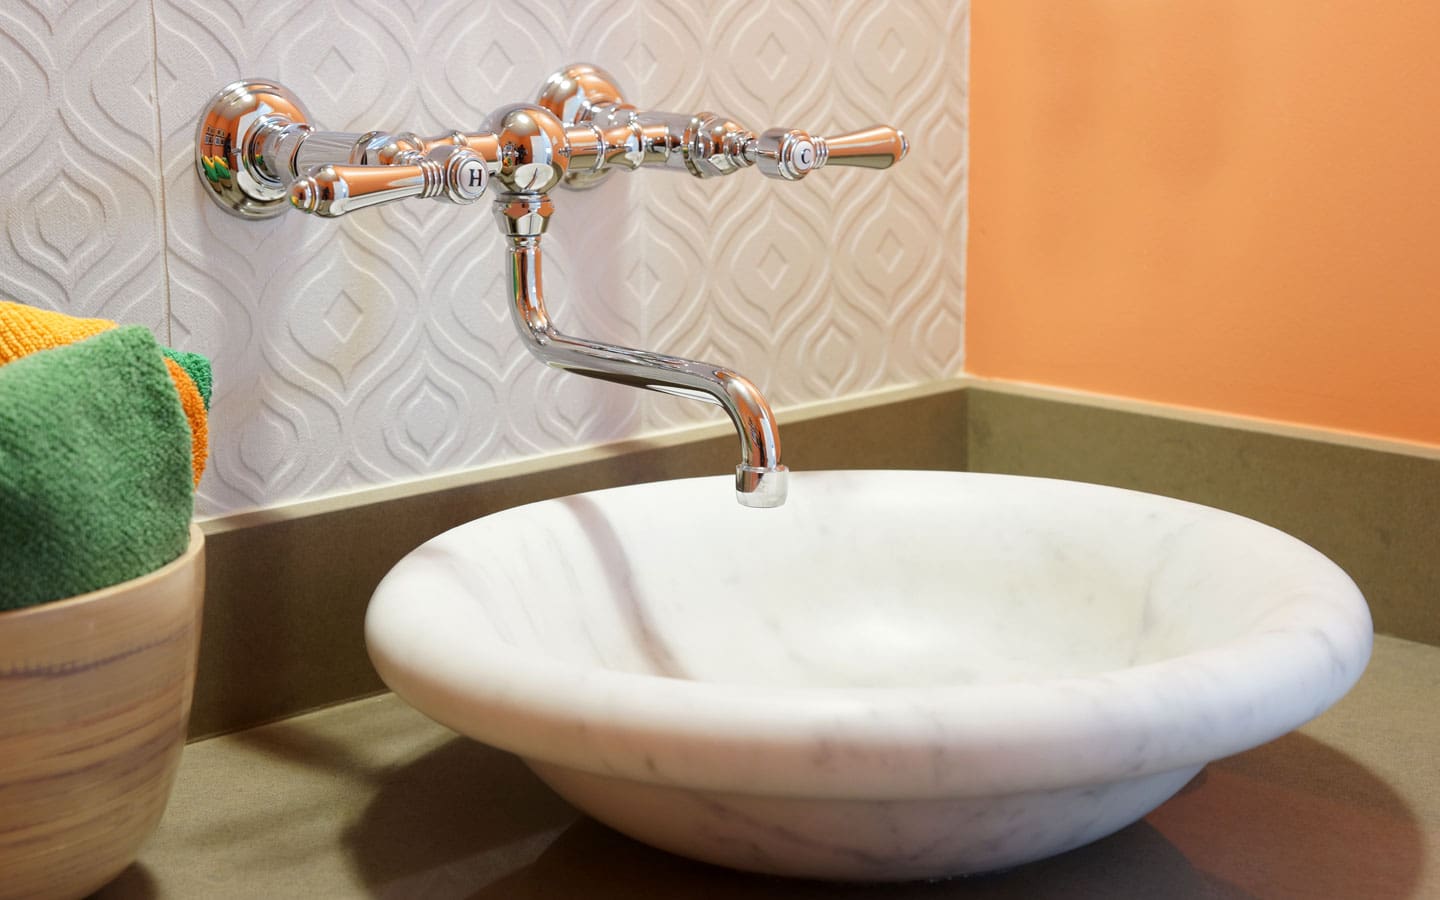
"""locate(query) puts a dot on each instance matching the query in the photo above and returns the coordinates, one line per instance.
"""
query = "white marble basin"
(896, 675)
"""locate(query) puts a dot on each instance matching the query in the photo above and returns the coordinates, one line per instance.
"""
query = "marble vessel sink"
(896, 675)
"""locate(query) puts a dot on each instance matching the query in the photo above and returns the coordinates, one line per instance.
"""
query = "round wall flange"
(575, 94)
(226, 156)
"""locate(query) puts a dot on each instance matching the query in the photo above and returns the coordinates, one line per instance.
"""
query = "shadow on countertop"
(135, 883)
(593, 862)
(1293, 818)
(462, 815)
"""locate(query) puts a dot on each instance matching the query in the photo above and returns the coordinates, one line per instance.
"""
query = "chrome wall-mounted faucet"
(259, 153)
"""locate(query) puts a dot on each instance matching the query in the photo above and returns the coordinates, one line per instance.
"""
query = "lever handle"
(448, 172)
(792, 154)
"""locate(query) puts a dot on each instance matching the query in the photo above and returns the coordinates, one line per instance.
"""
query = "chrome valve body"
(259, 153)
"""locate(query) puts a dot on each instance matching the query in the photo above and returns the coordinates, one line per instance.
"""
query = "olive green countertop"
(371, 799)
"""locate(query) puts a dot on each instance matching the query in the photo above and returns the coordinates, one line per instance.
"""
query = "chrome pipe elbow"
(760, 478)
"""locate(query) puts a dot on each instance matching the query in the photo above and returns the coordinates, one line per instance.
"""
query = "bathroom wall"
(1224, 204)
(378, 348)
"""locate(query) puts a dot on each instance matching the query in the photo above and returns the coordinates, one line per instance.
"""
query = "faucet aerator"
(761, 488)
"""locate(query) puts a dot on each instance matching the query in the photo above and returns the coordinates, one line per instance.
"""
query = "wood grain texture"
(95, 692)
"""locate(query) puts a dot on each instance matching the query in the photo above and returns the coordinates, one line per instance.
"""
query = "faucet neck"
(759, 478)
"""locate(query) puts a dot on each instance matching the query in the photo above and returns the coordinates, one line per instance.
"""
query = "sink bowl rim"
(883, 742)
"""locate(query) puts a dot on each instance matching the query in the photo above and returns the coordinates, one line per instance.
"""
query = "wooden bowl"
(95, 693)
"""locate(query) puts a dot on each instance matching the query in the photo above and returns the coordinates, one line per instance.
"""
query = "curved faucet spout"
(759, 479)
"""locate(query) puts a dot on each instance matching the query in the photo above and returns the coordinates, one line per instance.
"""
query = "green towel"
(95, 472)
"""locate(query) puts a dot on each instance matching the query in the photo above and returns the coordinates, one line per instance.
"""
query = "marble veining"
(897, 675)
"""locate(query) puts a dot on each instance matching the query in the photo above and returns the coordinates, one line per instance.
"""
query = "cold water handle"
(792, 154)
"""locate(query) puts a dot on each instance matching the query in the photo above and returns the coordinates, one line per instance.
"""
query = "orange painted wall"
(1225, 204)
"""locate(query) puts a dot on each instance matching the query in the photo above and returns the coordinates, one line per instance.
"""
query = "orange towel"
(26, 329)
(195, 414)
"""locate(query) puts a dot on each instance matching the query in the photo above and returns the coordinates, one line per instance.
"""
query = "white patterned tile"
(380, 347)
(822, 288)
(81, 213)
(390, 328)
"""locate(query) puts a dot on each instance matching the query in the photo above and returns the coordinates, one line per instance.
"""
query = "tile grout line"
(965, 213)
(160, 173)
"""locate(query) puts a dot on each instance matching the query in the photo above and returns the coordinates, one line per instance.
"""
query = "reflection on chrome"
(259, 154)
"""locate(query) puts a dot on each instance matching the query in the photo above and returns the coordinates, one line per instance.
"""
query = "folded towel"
(95, 467)
(28, 329)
